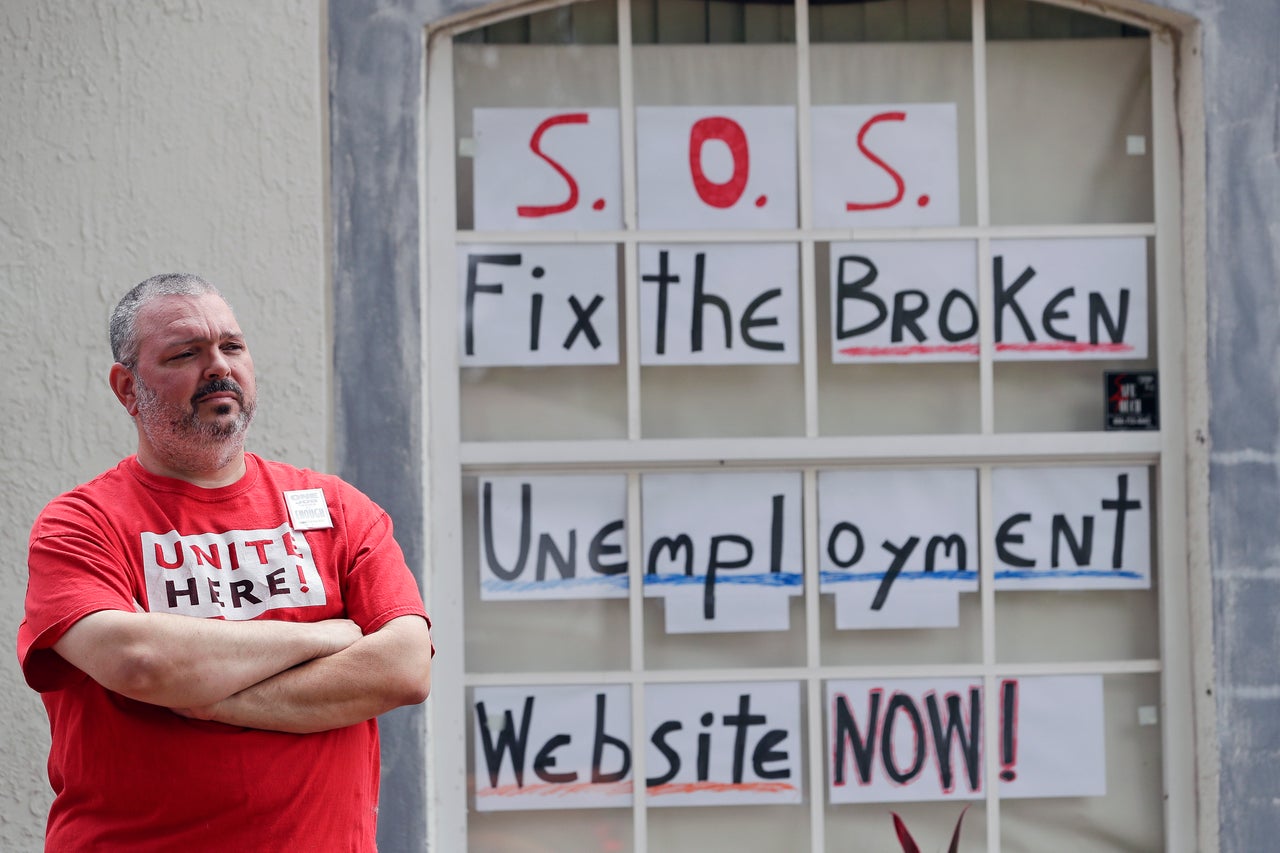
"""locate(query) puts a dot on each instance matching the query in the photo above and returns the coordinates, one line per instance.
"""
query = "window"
(792, 373)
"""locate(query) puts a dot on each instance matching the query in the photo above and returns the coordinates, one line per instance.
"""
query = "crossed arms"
(264, 674)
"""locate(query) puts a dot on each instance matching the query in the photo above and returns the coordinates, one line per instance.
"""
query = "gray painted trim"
(375, 62)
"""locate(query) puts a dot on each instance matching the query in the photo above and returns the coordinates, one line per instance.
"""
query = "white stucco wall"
(141, 137)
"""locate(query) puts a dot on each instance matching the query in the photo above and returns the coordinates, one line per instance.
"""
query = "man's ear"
(125, 386)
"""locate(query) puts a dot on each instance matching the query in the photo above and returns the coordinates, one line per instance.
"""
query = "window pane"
(1070, 121)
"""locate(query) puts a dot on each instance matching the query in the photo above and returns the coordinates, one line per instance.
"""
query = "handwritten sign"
(723, 744)
(719, 304)
(552, 747)
(904, 301)
(1072, 528)
(569, 747)
(547, 169)
(898, 546)
(552, 537)
(1070, 298)
(723, 549)
(538, 305)
(716, 167)
(885, 166)
(916, 740)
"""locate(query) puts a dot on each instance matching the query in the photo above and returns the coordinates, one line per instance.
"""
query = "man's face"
(195, 383)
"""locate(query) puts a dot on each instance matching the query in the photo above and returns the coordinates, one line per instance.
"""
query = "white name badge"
(308, 509)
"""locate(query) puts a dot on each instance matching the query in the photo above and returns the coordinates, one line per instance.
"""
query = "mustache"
(218, 386)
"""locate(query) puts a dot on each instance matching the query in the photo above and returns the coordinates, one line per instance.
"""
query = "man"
(253, 729)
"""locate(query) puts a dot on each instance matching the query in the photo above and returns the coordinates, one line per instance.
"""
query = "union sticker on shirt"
(308, 509)
(237, 575)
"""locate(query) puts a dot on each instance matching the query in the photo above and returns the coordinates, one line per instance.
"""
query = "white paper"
(735, 303)
(723, 744)
(883, 744)
(570, 542)
(705, 532)
(547, 169)
(897, 165)
(716, 167)
(898, 546)
(1070, 298)
(1040, 511)
(904, 301)
(552, 747)
(539, 304)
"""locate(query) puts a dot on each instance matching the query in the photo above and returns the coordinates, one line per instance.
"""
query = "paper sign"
(552, 747)
(1070, 298)
(704, 534)
(719, 304)
(897, 547)
(904, 301)
(723, 744)
(1061, 299)
(916, 740)
(538, 305)
(552, 537)
(1072, 528)
(885, 166)
(547, 169)
(716, 167)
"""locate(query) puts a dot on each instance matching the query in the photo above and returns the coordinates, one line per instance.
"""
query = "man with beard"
(213, 633)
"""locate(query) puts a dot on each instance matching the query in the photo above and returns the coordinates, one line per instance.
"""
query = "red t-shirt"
(132, 776)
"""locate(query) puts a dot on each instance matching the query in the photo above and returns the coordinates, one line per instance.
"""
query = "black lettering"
(242, 590)
(535, 322)
(765, 753)
(847, 734)
(970, 746)
(1098, 313)
(508, 741)
(582, 321)
(902, 702)
(566, 566)
(846, 289)
(949, 333)
(473, 287)
(545, 760)
(1081, 551)
(598, 549)
(659, 740)
(597, 750)
(900, 557)
(845, 527)
(276, 584)
(526, 501)
(954, 541)
(173, 593)
(715, 564)
(741, 721)
(906, 317)
(701, 299)
(1121, 505)
(1051, 313)
(749, 322)
(1008, 298)
(1005, 537)
(674, 547)
(663, 279)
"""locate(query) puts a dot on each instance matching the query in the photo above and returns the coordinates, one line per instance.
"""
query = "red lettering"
(259, 545)
(870, 155)
(177, 561)
(729, 132)
(535, 145)
(213, 558)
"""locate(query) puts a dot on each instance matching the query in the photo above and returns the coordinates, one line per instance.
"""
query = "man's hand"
(386, 669)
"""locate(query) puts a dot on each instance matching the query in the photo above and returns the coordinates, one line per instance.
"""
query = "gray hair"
(124, 320)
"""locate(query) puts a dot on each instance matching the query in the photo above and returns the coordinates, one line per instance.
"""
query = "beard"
(182, 439)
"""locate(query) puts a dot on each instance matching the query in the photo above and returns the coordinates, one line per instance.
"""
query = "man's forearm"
(383, 670)
(171, 660)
